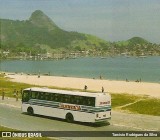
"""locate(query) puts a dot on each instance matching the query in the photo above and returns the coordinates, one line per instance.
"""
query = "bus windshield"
(25, 96)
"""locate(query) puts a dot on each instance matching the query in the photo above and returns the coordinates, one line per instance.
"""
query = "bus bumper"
(102, 120)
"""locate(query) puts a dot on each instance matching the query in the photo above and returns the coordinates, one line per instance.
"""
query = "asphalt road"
(13, 118)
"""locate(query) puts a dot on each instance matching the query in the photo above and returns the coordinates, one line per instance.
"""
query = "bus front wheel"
(30, 111)
(69, 117)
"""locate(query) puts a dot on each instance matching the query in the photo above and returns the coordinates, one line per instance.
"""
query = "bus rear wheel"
(30, 111)
(69, 117)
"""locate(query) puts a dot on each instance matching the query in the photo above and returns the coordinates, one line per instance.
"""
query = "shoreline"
(111, 86)
(93, 78)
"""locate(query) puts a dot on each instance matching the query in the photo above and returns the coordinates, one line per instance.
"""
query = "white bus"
(69, 105)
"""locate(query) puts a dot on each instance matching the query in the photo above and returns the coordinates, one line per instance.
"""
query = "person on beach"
(39, 74)
(85, 88)
(3, 94)
(100, 77)
(102, 89)
(21, 91)
(17, 95)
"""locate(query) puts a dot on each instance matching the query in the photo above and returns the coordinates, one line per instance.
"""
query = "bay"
(110, 68)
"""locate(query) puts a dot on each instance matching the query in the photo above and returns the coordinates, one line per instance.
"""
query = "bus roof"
(88, 94)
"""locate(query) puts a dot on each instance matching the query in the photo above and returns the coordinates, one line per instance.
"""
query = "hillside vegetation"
(39, 35)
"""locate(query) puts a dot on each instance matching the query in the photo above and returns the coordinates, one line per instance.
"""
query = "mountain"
(132, 41)
(137, 40)
(41, 31)
(39, 19)
(137, 46)
(39, 34)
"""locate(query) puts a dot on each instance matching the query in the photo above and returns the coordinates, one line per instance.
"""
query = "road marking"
(6, 126)
(119, 107)
(10, 105)
(142, 129)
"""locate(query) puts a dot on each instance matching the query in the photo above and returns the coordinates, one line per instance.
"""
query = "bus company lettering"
(71, 107)
(102, 103)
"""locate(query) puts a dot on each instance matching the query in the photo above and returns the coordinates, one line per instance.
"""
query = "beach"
(111, 86)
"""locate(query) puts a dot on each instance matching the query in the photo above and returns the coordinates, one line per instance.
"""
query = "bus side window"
(67, 98)
(72, 99)
(64, 97)
(56, 97)
(92, 101)
(53, 97)
(85, 101)
(81, 100)
(89, 101)
(43, 95)
(60, 98)
(47, 96)
(78, 99)
(37, 95)
(33, 95)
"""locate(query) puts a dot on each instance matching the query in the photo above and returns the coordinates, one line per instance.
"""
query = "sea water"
(110, 68)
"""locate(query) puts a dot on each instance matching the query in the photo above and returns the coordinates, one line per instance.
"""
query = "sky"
(111, 20)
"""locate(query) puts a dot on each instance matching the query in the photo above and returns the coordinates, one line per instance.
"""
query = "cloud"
(108, 19)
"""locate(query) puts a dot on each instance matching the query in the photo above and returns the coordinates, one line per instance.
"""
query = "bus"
(68, 105)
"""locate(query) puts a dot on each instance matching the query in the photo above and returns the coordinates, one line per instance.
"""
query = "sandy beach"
(137, 88)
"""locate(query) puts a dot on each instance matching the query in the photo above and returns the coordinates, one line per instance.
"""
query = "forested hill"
(41, 30)
(39, 34)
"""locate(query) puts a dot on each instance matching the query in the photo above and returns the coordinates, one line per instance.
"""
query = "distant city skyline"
(111, 20)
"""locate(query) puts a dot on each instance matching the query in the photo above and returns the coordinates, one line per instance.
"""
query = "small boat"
(143, 56)
(103, 57)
